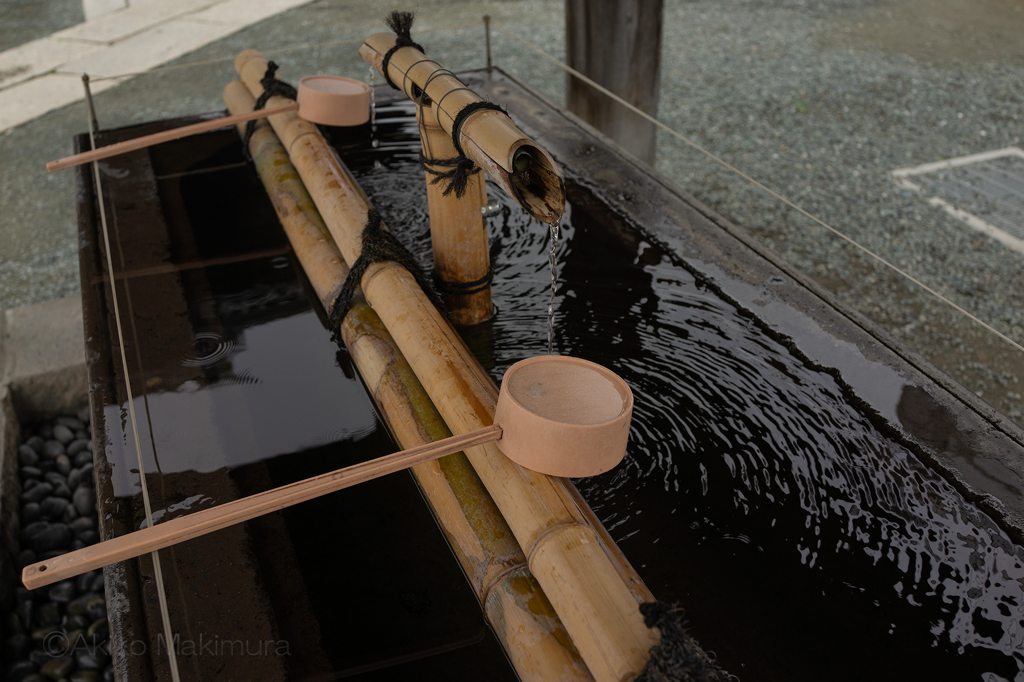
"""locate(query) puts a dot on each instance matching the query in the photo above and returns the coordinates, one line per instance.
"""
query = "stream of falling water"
(555, 227)
(373, 113)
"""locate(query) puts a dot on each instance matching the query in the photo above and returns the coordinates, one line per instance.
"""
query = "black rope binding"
(463, 288)
(461, 167)
(378, 245)
(271, 87)
(676, 657)
(401, 24)
(457, 174)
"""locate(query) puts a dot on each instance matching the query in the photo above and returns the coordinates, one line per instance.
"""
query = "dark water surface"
(758, 491)
(238, 388)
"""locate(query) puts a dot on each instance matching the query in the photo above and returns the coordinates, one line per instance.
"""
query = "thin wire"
(280, 50)
(157, 571)
(754, 182)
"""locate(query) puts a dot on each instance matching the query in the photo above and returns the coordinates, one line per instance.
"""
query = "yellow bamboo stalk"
(490, 138)
(565, 553)
(514, 603)
(458, 233)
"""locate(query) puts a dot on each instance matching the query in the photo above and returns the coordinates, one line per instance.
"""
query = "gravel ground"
(819, 100)
(25, 20)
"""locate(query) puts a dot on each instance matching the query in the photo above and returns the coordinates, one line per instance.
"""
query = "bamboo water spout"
(511, 158)
(582, 578)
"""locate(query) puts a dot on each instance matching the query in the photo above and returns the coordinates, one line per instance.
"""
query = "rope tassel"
(457, 175)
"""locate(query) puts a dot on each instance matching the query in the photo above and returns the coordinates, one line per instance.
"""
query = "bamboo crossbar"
(238, 511)
(164, 136)
(566, 554)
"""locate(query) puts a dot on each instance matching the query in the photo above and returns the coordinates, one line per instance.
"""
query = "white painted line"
(1001, 236)
(97, 8)
(25, 101)
(35, 58)
(980, 225)
(959, 161)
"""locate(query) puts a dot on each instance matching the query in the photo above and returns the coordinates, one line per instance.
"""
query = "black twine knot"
(676, 657)
(378, 245)
(271, 87)
(401, 24)
(457, 175)
(460, 167)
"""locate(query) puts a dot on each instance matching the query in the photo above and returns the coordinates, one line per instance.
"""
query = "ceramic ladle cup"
(556, 415)
(327, 100)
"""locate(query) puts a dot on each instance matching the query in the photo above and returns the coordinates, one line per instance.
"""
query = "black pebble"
(36, 443)
(26, 557)
(17, 647)
(27, 457)
(83, 581)
(26, 611)
(30, 472)
(56, 536)
(76, 446)
(71, 422)
(63, 434)
(30, 530)
(37, 493)
(47, 615)
(85, 500)
(53, 507)
(31, 513)
(52, 448)
(84, 457)
(63, 592)
(88, 537)
(20, 670)
(82, 523)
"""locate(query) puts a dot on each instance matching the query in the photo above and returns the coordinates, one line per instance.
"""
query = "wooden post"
(566, 554)
(514, 603)
(618, 44)
(457, 232)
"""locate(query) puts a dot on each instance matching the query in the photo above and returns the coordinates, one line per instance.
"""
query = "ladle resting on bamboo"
(563, 416)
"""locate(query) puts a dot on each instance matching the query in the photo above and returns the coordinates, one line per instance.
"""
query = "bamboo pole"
(512, 159)
(458, 232)
(514, 603)
(565, 553)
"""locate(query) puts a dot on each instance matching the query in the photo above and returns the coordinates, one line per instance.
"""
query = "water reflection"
(804, 543)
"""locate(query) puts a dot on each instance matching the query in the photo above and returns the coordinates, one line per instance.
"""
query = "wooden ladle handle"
(228, 514)
(164, 136)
